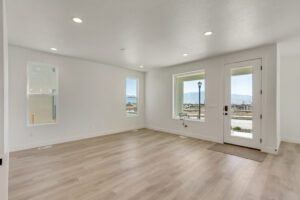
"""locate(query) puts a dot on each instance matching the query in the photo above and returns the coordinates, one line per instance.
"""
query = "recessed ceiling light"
(53, 49)
(77, 20)
(185, 54)
(208, 33)
(141, 66)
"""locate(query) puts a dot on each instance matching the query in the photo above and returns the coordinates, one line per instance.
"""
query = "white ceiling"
(154, 33)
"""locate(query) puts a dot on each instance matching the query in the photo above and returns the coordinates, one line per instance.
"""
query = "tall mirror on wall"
(42, 91)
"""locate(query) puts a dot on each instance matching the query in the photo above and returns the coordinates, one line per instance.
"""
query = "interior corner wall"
(278, 94)
(290, 98)
(91, 100)
(159, 94)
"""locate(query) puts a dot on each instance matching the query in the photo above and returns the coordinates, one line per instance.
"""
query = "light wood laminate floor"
(147, 164)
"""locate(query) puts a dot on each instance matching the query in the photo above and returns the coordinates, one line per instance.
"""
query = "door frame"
(257, 141)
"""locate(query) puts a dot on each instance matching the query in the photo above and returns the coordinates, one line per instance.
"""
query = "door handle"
(225, 108)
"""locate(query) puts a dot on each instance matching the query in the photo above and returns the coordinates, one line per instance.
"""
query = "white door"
(242, 103)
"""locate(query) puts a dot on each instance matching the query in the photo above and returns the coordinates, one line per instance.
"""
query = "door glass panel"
(241, 102)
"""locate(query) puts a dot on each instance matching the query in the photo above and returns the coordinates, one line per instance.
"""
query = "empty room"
(149, 100)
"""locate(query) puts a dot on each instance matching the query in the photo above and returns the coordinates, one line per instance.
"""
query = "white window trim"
(174, 117)
(137, 96)
(27, 95)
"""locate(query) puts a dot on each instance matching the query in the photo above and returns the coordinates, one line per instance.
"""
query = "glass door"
(242, 103)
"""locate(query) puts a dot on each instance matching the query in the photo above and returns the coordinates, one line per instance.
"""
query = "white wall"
(290, 98)
(3, 105)
(159, 97)
(91, 100)
(3, 80)
(278, 99)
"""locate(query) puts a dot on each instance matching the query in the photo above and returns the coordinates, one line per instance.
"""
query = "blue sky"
(241, 84)
(131, 87)
(192, 86)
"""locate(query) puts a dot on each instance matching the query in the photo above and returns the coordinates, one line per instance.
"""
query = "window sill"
(192, 120)
(42, 124)
(132, 115)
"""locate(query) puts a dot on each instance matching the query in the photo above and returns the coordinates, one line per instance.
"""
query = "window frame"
(137, 96)
(174, 94)
(27, 94)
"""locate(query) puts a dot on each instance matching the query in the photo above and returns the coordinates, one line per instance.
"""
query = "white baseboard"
(4, 177)
(270, 150)
(179, 132)
(67, 139)
(291, 140)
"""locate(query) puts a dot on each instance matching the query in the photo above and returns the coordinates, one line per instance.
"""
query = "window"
(242, 102)
(41, 94)
(131, 97)
(189, 93)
